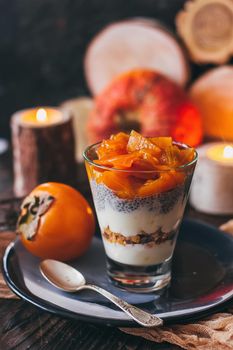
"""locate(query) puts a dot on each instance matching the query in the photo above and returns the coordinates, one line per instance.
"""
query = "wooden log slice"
(132, 44)
(42, 154)
(206, 27)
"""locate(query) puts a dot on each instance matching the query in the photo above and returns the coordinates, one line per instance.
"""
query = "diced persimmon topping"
(137, 142)
(140, 166)
(115, 146)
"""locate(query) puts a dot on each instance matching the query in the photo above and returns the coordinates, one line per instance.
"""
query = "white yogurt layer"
(139, 254)
(140, 220)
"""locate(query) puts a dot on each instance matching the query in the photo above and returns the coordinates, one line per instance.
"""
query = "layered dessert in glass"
(140, 187)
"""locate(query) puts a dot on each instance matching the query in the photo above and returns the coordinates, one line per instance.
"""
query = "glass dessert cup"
(139, 233)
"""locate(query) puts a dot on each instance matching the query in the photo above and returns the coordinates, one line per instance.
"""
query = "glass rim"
(180, 167)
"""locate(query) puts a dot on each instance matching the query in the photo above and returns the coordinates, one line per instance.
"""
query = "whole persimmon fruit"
(56, 222)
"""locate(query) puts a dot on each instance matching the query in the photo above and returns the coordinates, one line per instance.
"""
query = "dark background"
(42, 45)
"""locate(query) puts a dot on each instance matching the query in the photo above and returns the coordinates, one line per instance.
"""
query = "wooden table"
(23, 326)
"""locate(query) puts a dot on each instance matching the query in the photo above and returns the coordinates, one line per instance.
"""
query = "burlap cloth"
(5, 238)
(212, 333)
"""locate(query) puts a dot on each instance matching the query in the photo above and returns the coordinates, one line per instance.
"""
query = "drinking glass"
(139, 233)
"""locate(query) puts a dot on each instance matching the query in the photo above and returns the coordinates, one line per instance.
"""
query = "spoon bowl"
(69, 279)
(62, 275)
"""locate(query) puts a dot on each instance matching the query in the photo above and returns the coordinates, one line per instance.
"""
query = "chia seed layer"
(160, 203)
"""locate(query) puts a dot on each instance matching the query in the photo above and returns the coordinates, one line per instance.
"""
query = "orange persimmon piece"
(161, 142)
(186, 155)
(170, 156)
(123, 162)
(117, 182)
(116, 145)
(145, 161)
(138, 160)
(138, 142)
(166, 182)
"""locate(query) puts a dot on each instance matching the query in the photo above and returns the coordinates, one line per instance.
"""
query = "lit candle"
(43, 148)
(221, 153)
(40, 117)
(212, 186)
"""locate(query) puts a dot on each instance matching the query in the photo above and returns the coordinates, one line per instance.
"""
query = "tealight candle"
(41, 117)
(43, 148)
(221, 153)
(212, 186)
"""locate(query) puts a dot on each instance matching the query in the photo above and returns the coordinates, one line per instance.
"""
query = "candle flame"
(228, 152)
(41, 115)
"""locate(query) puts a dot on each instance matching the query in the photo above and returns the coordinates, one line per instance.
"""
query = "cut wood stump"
(206, 28)
(133, 44)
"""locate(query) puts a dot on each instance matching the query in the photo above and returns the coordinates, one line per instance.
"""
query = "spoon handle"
(142, 317)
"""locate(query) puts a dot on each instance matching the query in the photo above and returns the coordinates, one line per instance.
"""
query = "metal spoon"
(69, 279)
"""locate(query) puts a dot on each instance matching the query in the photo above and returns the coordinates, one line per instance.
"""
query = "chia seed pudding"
(139, 231)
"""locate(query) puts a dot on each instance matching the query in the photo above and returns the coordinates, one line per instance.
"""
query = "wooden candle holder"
(42, 153)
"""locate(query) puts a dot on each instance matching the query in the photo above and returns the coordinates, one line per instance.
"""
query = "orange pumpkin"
(213, 94)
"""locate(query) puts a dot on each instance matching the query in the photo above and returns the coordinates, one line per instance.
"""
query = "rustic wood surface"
(23, 326)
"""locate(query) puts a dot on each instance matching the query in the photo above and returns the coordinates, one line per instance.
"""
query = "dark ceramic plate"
(202, 280)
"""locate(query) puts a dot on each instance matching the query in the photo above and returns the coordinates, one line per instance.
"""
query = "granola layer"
(157, 237)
